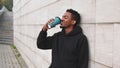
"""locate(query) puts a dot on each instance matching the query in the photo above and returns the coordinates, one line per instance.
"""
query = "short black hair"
(75, 16)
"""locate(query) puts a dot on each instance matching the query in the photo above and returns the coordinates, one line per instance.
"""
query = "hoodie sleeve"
(44, 42)
(83, 53)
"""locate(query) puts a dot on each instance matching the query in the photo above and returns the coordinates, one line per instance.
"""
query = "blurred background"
(6, 21)
(7, 3)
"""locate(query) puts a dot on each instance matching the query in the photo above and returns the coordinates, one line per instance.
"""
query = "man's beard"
(62, 27)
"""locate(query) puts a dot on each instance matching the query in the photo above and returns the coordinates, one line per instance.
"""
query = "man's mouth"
(61, 23)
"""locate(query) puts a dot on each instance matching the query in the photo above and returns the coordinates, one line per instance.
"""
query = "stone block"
(24, 3)
(107, 11)
(97, 65)
(59, 8)
(87, 9)
(37, 30)
(104, 44)
(116, 47)
(89, 31)
(35, 5)
(92, 64)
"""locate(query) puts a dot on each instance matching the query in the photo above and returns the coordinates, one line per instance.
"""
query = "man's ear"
(73, 22)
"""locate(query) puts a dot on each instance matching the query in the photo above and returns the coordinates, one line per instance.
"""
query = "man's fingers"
(45, 27)
(49, 21)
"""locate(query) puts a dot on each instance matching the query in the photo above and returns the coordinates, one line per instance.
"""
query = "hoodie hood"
(76, 30)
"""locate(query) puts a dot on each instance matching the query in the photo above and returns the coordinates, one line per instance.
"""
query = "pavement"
(6, 28)
(8, 58)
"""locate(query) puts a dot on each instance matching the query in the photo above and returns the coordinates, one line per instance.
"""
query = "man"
(69, 46)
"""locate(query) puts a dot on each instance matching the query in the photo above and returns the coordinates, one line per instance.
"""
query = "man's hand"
(45, 27)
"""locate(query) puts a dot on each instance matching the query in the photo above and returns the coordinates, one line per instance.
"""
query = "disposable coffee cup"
(55, 22)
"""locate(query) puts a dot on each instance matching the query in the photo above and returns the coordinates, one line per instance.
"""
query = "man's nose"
(62, 19)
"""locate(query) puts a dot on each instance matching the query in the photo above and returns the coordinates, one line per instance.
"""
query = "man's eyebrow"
(64, 16)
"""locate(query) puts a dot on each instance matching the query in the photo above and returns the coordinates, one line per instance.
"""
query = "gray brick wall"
(100, 22)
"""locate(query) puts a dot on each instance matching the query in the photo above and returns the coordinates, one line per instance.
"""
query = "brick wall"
(100, 22)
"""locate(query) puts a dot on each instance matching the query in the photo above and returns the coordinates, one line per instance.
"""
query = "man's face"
(66, 20)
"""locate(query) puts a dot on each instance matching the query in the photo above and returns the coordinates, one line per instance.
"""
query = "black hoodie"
(68, 51)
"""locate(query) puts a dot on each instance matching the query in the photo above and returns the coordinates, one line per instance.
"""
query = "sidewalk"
(8, 58)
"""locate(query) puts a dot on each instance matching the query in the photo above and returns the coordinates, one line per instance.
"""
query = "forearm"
(41, 39)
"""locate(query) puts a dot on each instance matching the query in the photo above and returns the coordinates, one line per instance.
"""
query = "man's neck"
(68, 30)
